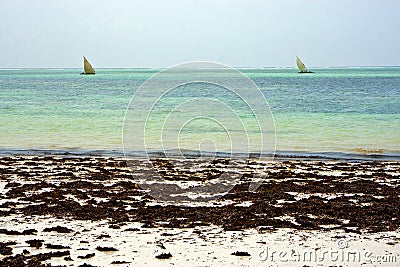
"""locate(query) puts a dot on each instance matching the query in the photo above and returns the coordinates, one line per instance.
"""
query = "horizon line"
(237, 67)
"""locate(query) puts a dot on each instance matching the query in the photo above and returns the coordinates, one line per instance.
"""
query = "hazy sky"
(150, 33)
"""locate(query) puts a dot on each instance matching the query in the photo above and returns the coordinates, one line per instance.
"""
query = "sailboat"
(301, 66)
(87, 68)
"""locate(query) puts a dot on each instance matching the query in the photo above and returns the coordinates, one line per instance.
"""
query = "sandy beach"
(91, 211)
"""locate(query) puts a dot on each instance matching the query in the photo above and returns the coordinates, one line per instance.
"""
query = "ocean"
(340, 113)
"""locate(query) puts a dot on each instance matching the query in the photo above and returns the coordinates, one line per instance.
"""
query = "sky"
(162, 33)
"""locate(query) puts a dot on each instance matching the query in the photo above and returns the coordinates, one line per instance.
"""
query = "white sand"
(207, 246)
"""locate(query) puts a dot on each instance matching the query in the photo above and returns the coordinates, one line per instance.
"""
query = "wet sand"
(78, 211)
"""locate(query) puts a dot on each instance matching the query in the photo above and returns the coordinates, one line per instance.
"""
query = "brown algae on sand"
(93, 206)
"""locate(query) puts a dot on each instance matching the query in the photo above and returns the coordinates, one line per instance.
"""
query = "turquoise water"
(334, 110)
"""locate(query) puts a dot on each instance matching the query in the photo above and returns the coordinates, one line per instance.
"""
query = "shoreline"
(102, 200)
(278, 155)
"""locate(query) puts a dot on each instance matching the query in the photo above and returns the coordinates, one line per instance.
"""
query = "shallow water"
(330, 112)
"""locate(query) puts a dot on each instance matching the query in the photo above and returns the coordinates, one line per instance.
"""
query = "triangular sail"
(87, 68)
(301, 65)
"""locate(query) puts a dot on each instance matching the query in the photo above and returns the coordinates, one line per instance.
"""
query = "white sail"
(301, 65)
(87, 68)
